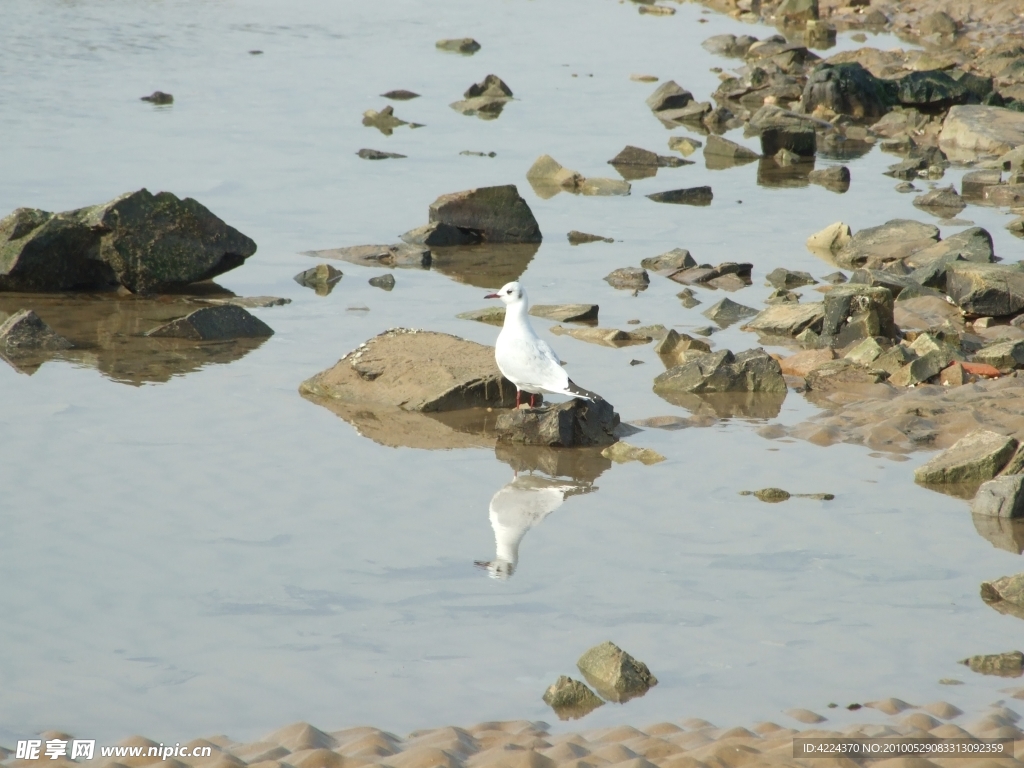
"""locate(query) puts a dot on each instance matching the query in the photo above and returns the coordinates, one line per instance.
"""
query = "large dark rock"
(497, 214)
(993, 290)
(577, 422)
(141, 241)
(855, 312)
(973, 244)
(215, 324)
(848, 89)
(931, 91)
(713, 372)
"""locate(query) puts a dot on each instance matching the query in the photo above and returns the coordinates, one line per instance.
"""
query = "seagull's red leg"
(533, 395)
(519, 394)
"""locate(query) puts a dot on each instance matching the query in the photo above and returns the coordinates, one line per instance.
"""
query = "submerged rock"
(718, 146)
(215, 324)
(944, 201)
(614, 673)
(548, 172)
(642, 157)
(465, 45)
(677, 258)
(1009, 664)
(577, 422)
(400, 94)
(973, 459)
(25, 330)
(141, 241)
(690, 196)
(159, 98)
(398, 255)
(376, 154)
(715, 372)
(579, 238)
(571, 699)
(384, 121)
(622, 453)
(1006, 595)
(322, 278)
(629, 278)
(783, 278)
(415, 371)
(835, 178)
(386, 282)
(497, 214)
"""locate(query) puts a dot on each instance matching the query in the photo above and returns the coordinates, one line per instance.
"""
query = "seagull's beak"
(492, 296)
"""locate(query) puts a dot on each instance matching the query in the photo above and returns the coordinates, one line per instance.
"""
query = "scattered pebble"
(158, 97)
(400, 95)
(387, 282)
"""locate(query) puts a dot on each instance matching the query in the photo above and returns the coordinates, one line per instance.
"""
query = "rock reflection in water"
(395, 428)
(1000, 532)
(108, 332)
(728, 405)
(524, 503)
(486, 265)
(771, 174)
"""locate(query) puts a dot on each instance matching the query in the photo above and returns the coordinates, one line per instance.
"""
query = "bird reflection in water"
(520, 506)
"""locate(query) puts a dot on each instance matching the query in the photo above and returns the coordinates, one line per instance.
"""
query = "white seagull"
(523, 357)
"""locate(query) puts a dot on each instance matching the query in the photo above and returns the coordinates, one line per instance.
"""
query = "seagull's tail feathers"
(577, 391)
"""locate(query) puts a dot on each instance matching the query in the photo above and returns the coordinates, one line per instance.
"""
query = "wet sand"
(691, 743)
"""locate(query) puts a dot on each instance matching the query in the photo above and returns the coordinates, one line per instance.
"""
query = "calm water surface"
(212, 553)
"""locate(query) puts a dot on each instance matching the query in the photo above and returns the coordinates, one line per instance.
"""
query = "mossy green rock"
(141, 241)
(614, 673)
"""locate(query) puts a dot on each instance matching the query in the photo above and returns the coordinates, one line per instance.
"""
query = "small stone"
(669, 95)
(546, 171)
(919, 370)
(614, 673)
(566, 313)
(835, 178)
(214, 324)
(691, 196)
(772, 495)
(321, 278)
(677, 258)
(953, 376)
(629, 278)
(571, 699)
(636, 78)
(716, 145)
(158, 97)
(376, 154)
(578, 238)
(387, 282)
(905, 186)
(684, 144)
(624, 452)
(784, 278)
(835, 278)
(687, 298)
(866, 352)
(945, 198)
(465, 45)
(726, 312)
(831, 239)
(400, 95)
(890, 706)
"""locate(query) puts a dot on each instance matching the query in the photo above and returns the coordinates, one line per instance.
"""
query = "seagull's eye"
(509, 291)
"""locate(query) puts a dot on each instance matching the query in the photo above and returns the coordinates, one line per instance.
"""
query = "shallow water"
(206, 551)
